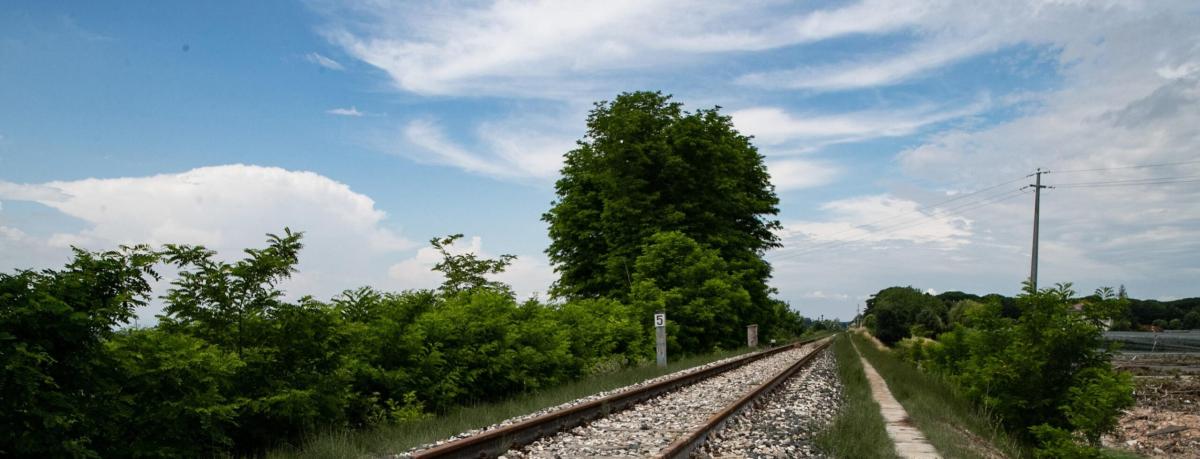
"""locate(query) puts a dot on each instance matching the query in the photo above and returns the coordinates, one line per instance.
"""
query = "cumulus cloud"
(881, 218)
(796, 174)
(348, 241)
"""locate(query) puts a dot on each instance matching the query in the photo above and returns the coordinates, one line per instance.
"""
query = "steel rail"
(495, 442)
(685, 446)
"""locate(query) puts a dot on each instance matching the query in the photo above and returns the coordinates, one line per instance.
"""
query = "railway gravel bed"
(785, 422)
(647, 428)
(572, 403)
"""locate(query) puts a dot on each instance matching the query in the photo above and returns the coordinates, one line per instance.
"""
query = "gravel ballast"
(786, 421)
(572, 403)
(647, 428)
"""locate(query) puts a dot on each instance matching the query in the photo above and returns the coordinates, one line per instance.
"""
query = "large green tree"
(647, 166)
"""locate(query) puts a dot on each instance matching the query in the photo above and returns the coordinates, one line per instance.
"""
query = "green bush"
(57, 371)
(900, 311)
(695, 287)
(172, 398)
(232, 368)
(1046, 372)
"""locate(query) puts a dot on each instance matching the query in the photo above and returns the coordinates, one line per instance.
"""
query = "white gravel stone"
(598, 395)
(670, 416)
(785, 422)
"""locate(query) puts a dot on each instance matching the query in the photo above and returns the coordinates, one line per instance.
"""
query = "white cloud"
(318, 59)
(880, 218)
(12, 234)
(817, 294)
(795, 174)
(226, 208)
(880, 71)
(521, 148)
(18, 192)
(948, 32)
(352, 111)
(546, 49)
(529, 275)
(1129, 95)
(776, 126)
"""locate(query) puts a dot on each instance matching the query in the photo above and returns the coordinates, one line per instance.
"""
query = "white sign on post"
(660, 320)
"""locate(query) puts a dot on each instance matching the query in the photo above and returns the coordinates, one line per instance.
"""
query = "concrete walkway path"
(909, 441)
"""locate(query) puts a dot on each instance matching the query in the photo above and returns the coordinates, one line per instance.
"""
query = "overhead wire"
(1131, 182)
(870, 230)
(1136, 166)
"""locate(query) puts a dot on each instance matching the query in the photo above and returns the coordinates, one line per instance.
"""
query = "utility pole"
(1037, 203)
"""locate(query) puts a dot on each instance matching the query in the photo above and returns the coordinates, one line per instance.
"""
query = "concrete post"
(660, 338)
(752, 335)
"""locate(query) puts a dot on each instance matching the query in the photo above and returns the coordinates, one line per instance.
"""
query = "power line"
(1137, 166)
(869, 230)
(1129, 182)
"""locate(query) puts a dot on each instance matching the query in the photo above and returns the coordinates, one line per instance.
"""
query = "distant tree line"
(899, 312)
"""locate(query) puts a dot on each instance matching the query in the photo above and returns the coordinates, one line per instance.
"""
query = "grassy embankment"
(858, 431)
(951, 422)
(399, 438)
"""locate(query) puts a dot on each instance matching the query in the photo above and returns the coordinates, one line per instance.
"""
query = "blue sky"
(375, 126)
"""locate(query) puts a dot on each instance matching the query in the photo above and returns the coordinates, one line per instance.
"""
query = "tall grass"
(858, 431)
(947, 418)
(398, 438)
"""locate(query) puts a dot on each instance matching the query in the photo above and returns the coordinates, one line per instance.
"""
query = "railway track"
(669, 418)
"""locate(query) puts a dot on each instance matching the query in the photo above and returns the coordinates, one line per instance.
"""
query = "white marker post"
(752, 335)
(660, 337)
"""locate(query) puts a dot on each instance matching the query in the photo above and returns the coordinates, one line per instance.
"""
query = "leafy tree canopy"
(467, 271)
(646, 166)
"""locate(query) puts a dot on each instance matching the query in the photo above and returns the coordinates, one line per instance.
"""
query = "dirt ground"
(1165, 421)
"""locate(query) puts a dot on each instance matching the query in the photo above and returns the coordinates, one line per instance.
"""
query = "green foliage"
(53, 325)
(467, 271)
(901, 311)
(647, 167)
(604, 333)
(234, 368)
(215, 300)
(870, 323)
(170, 397)
(859, 429)
(694, 286)
(1191, 321)
(1140, 315)
(1046, 372)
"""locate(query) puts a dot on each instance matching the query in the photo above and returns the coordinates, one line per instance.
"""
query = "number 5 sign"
(660, 319)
